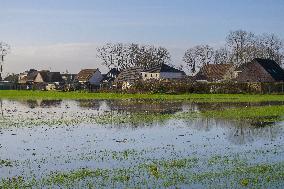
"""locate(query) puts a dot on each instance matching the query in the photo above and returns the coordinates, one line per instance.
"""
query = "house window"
(151, 75)
(145, 75)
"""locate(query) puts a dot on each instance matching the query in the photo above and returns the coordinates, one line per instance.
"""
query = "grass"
(23, 95)
(254, 114)
(159, 174)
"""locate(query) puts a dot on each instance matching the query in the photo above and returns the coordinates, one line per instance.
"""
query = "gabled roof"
(130, 75)
(85, 75)
(51, 77)
(113, 72)
(162, 68)
(213, 72)
(272, 68)
(32, 75)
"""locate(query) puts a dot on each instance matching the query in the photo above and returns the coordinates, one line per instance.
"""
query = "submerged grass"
(159, 174)
(21, 95)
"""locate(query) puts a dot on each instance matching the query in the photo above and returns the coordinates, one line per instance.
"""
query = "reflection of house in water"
(42, 103)
(89, 104)
(132, 106)
(140, 106)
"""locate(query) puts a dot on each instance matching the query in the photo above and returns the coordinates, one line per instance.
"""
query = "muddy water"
(37, 150)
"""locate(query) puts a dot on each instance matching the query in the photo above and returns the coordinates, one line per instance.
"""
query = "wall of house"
(147, 75)
(96, 78)
(38, 79)
(170, 75)
(254, 72)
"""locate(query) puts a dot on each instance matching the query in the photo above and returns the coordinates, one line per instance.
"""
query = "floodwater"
(37, 145)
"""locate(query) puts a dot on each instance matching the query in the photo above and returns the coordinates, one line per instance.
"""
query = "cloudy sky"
(63, 34)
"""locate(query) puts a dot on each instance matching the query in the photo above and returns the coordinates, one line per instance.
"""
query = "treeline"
(241, 46)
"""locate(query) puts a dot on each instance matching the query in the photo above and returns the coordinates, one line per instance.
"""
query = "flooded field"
(140, 144)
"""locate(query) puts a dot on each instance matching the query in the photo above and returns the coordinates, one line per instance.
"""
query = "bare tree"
(222, 56)
(122, 56)
(240, 43)
(271, 46)
(4, 50)
(198, 56)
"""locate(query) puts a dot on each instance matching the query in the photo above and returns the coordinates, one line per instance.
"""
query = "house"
(161, 72)
(214, 72)
(90, 77)
(128, 77)
(48, 77)
(109, 78)
(259, 70)
(27, 77)
(68, 78)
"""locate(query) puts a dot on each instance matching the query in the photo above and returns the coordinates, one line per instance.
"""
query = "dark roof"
(113, 72)
(85, 75)
(272, 68)
(213, 72)
(51, 77)
(130, 75)
(32, 75)
(162, 68)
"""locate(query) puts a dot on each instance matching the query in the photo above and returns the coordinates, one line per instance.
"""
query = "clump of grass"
(164, 173)
(255, 114)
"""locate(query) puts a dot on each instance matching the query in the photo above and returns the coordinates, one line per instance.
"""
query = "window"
(145, 75)
(151, 75)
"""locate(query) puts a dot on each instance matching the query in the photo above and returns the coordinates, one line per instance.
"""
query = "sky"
(63, 35)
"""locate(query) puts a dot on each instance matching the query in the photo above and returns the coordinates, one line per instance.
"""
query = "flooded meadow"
(141, 144)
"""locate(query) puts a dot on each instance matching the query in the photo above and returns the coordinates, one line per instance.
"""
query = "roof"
(130, 74)
(85, 75)
(51, 77)
(32, 75)
(113, 72)
(272, 68)
(162, 68)
(213, 72)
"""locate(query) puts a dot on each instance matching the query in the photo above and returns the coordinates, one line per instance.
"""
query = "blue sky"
(64, 34)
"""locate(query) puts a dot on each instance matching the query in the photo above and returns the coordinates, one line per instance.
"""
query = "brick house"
(213, 72)
(259, 70)
(128, 77)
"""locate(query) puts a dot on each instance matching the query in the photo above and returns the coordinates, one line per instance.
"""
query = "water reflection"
(236, 132)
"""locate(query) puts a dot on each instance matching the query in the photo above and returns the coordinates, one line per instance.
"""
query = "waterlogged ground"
(140, 144)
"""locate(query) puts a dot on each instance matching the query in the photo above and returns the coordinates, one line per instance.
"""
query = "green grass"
(257, 114)
(22, 95)
(159, 174)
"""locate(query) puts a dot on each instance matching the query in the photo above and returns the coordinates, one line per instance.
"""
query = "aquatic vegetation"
(6, 163)
(170, 173)
(254, 114)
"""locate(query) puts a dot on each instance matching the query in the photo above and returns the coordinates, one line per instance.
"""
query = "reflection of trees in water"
(42, 103)
(244, 133)
(205, 106)
(237, 132)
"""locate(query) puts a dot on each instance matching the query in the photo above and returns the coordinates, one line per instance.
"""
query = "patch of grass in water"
(254, 114)
(168, 173)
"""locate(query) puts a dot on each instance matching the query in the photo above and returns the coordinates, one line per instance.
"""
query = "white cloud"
(61, 57)
(58, 57)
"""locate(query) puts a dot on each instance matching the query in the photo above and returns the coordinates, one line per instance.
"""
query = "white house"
(162, 71)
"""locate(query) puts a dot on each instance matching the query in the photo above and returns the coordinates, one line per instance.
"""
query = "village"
(257, 71)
